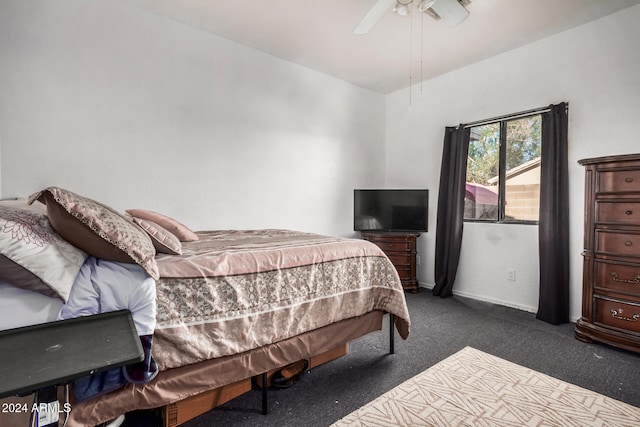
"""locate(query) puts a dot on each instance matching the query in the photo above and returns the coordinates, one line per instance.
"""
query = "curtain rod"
(509, 116)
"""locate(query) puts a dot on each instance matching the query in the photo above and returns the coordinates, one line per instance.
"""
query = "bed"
(221, 306)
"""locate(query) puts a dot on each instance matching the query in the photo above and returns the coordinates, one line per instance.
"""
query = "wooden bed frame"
(211, 383)
(180, 412)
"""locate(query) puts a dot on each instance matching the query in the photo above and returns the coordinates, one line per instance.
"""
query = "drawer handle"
(635, 280)
(629, 180)
(618, 315)
(628, 212)
(628, 243)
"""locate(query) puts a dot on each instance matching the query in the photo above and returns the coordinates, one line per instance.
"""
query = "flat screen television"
(390, 210)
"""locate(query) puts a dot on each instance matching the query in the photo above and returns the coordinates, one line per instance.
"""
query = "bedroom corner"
(568, 65)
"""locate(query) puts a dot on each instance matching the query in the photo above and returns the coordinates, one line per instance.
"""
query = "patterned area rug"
(472, 388)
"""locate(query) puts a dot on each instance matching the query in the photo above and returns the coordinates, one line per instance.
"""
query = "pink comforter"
(234, 291)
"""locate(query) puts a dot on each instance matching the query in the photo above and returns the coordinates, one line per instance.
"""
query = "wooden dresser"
(611, 275)
(401, 250)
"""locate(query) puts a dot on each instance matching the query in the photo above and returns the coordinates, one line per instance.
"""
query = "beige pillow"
(164, 241)
(33, 256)
(181, 231)
(97, 229)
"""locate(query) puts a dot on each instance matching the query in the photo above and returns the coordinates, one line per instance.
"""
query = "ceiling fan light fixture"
(425, 4)
(401, 9)
(452, 12)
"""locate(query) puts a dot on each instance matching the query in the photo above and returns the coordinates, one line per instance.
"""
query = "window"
(503, 171)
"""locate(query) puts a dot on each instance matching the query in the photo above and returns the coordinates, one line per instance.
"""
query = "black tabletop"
(56, 353)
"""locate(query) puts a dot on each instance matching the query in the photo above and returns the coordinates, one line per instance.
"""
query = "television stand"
(400, 247)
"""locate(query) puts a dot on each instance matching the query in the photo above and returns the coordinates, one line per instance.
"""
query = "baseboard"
(509, 304)
(527, 308)
(523, 307)
(426, 285)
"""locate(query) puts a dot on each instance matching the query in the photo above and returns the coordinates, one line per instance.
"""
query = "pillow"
(181, 231)
(33, 256)
(23, 278)
(97, 229)
(163, 240)
(19, 307)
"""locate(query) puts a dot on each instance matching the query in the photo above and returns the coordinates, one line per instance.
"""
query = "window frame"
(502, 167)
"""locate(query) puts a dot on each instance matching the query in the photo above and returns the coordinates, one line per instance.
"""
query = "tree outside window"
(503, 171)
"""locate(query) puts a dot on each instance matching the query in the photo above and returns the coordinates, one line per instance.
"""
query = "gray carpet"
(440, 328)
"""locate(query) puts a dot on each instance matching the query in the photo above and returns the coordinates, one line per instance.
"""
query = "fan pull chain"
(421, 49)
(410, 51)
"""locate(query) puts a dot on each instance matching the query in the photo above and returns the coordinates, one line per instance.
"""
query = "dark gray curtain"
(553, 229)
(453, 174)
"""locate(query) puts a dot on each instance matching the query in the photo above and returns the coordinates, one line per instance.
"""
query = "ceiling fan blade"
(373, 16)
(451, 11)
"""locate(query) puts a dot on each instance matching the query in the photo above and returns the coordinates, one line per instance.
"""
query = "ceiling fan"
(451, 11)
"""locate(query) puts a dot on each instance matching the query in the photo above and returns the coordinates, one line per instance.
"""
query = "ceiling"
(318, 33)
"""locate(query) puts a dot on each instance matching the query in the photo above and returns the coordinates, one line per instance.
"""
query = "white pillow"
(28, 240)
(19, 307)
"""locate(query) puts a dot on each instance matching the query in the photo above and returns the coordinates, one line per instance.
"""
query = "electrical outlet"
(418, 259)
(511, 275)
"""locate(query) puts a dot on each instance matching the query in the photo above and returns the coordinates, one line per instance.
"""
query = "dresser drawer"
(621, 181)
(393, 246)
(619, 314)
(615, 243)
(404, 272)
(617, 277)
(400, 260)
(618, 212)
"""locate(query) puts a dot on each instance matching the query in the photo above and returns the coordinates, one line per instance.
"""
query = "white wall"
(136, 110)
(595, 68)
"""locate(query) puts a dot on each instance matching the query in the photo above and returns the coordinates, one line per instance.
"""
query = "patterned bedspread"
(234, 291)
